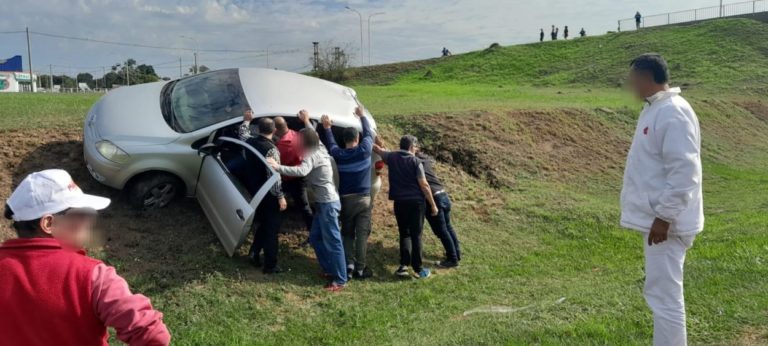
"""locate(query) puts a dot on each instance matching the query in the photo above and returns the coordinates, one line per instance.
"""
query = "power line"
(13, 32)
(140, 45)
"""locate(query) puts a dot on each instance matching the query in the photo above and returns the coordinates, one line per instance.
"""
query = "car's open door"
(231, 184)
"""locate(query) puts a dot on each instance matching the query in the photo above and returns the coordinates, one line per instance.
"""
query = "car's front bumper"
(102, 170)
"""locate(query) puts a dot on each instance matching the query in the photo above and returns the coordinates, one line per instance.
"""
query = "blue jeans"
(325, 237)
(441, 226)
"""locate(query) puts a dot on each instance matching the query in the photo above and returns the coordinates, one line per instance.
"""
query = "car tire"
(154, 191)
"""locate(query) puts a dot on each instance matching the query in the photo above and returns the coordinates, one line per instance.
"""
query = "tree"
(86, 78)
(128, 71)
(333, 62)
(200, 69)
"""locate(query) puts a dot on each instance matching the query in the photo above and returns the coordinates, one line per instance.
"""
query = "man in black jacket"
(441, 223)
(268, 212)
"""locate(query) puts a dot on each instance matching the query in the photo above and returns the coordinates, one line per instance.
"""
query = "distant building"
(17, 82)
(13, 78)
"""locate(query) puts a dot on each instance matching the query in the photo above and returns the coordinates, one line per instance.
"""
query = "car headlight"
(111, 152)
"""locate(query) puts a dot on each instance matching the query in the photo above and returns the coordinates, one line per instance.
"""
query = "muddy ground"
(171, 247)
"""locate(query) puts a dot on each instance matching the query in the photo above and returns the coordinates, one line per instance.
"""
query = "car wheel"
(154, 191)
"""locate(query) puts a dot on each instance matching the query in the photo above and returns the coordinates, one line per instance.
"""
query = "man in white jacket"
(662, 197)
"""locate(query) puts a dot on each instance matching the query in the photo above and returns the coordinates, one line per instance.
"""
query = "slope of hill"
(729, 52)
(531, 142)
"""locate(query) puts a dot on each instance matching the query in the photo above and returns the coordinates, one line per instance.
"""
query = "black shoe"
(362, 274)
(273, 270)
(448, 264)
(255, 260)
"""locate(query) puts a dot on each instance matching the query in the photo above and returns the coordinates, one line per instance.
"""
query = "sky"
(407, 29)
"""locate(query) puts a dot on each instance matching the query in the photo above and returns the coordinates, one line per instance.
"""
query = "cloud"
(410, 29)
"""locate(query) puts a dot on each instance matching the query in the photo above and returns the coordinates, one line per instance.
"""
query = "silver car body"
(129, 123)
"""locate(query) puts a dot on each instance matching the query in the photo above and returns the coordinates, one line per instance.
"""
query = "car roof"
(274, 92)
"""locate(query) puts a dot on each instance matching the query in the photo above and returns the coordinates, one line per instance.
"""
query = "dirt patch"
(752, 336)
(175, 246)
(758, 108)
(501, 147)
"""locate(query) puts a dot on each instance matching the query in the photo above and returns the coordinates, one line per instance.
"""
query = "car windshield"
(196, 102)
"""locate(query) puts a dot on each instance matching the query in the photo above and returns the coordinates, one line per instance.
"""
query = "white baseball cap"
(49, 192)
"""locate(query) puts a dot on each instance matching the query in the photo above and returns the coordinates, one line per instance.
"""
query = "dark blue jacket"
(404, 173)
(354, 164)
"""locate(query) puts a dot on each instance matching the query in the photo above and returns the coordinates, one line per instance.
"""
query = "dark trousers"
(269, 217)
(441, 226)
(410, 222)
(297, 190)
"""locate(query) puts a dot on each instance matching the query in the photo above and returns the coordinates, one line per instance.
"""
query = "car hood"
(274, 92)
(131, 114)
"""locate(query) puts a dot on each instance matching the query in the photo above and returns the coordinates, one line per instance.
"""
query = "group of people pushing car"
(340, 224)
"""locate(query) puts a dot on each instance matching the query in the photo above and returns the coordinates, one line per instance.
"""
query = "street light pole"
(721, 8)
(197, 47)
(361, 32)
(369, 34)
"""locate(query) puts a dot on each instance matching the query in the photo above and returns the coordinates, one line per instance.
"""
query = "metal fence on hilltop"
(727, 10)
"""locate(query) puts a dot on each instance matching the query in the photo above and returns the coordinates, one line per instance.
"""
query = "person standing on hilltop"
(541, 35)
(552, 34)
(662, 196)
(583, 33)
(638, 19)
(565, 33)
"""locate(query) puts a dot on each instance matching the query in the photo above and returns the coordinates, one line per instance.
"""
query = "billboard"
(12, 64)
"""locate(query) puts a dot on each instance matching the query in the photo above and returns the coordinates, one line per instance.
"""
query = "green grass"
(27, 111)
(547, 239)
(707, 55)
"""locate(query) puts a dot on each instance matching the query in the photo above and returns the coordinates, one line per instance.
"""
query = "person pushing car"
(51, 292)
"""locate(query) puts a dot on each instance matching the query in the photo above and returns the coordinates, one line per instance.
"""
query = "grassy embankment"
(540, 228)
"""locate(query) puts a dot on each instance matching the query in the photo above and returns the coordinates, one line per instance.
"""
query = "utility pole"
(127, 76)
(104, 77)
(362, 62)
(29, 61)
(197, 47)
(180, 73)
(721, 8)
(369, 34)
(316, 56)
(50, 77)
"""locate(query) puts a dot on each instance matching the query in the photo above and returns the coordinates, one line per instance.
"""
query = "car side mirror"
(207, 149)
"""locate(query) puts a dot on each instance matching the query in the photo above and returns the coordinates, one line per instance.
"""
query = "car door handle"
(240, 215)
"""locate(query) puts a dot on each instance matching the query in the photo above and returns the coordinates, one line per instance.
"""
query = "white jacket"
(663, 174)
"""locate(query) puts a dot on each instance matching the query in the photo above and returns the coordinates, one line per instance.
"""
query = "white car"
(161, 140)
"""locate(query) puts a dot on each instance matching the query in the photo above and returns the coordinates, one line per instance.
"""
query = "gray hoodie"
(317, 167)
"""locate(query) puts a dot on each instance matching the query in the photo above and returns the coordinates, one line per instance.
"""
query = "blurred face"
(72, 227)
(248, 115)
(641, 84)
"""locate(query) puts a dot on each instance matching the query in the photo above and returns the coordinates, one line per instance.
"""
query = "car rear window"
(206, 99)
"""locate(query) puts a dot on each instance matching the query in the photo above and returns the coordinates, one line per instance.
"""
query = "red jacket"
(52, 295)
(290, 148)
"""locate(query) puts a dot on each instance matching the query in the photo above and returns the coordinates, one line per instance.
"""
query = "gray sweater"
(317, 167)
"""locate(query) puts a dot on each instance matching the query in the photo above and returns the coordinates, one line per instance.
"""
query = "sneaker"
(350, 270)
(448, 264)
(424, 273)
(334, 287)
(402, 271)
(362, 274)
(273, 270)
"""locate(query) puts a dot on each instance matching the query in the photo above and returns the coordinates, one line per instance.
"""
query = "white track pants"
(664, 288)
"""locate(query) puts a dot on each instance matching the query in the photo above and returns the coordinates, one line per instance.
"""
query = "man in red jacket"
(52, 293)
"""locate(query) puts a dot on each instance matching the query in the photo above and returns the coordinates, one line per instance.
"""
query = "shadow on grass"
(161, 250)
